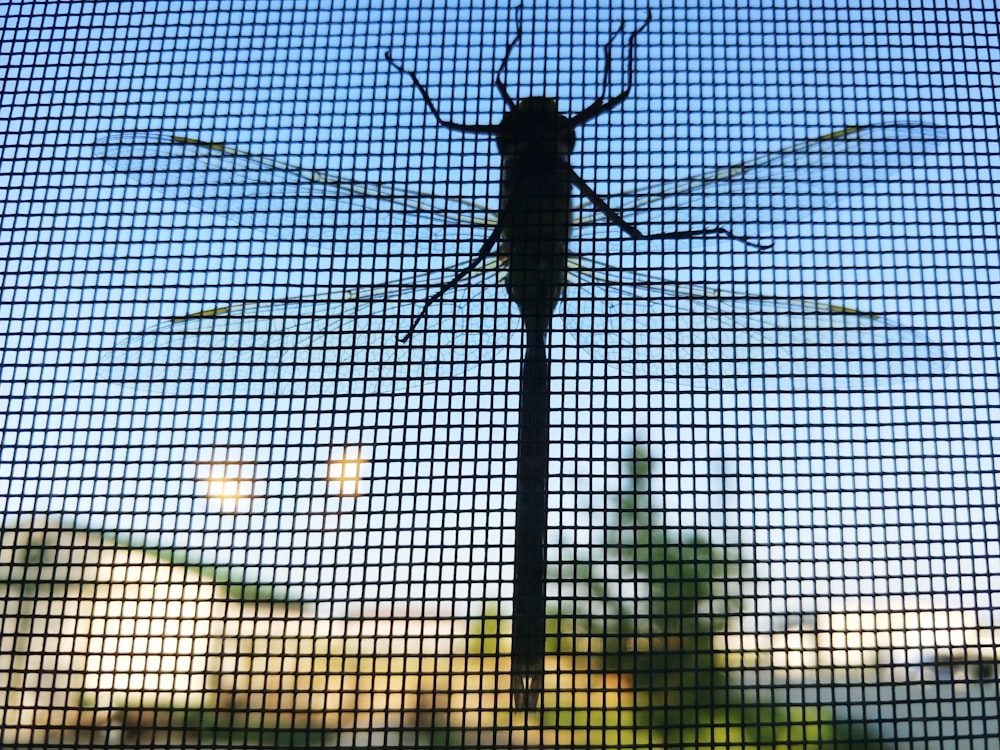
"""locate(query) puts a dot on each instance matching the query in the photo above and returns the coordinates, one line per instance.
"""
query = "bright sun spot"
(230, 485)
(344, 471)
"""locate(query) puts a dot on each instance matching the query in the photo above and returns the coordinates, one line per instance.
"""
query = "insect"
(395, 333)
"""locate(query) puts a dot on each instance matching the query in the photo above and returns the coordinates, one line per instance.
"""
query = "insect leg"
(635, 233)
(484, 252)
(516, 40)
(602, 105)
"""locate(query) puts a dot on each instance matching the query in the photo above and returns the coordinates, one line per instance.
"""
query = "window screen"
(281, 465)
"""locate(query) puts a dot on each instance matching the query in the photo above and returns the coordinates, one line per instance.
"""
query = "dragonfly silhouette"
(403, 331)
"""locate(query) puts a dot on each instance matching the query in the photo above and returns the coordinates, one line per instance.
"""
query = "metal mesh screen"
(260, 470)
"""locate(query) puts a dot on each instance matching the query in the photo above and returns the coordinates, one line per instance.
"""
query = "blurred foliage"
(653, 603)
(637, 658)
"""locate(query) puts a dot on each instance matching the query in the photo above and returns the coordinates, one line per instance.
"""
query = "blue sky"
(836, 492)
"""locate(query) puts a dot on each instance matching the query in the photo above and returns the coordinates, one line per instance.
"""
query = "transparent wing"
(365, 338)
(782, 193)
(354, 341)
(692, 336)
(369, 341)
(778, 194)
(282, 199)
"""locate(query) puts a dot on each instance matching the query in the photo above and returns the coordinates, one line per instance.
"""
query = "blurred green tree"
(655, 604)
